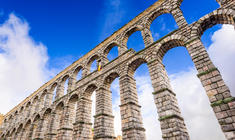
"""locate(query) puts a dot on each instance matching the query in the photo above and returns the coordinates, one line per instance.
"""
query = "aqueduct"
(43, 115)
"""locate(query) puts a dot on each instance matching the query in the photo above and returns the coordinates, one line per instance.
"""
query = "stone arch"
(91, 60)
(76, 71)
(64, 79)
(169, 43)
(129, 33)
(12, 133)
(16, 115)
(46, 122)
(109, 47)
(35, 125)
(10, 120)
(71, 111)
(154, 15)
(60, 91)
(27, 109)
(83, 114)
(19, 131)
(52, 90)
(53, 87)
(57, 117)
(7, 135)
(110, 78)
(26, 129)
(221, 16)
(35, 104)
(89, 90)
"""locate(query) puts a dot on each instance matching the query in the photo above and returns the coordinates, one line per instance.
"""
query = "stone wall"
(48, 113)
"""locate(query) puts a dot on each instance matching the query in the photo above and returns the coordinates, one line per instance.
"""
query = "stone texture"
(50, 114)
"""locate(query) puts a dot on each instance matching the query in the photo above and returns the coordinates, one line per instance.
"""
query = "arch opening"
(58, 118)
(72, 104)
(112, 84)
(78, 73)
(161, 25)
(35, 126)
(64, 83)
(134, 39)
(92, 63)
(139, 70)
(46, 123)
(53, 90)
(189, 92)
(111, 52)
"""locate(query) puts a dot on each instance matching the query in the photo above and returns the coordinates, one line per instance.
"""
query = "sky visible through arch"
(40, 38)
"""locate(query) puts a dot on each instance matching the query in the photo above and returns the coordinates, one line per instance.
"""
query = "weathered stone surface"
(49, 114)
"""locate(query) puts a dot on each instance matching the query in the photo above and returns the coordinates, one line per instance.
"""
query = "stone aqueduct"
(69, 116)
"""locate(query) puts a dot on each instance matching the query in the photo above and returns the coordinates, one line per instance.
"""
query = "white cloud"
(222, 52)
(22, 63)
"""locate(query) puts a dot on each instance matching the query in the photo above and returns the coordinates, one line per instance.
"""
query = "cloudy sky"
(39, 39)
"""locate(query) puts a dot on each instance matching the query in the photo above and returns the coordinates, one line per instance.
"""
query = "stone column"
(147, 36)
(104, 119)
(83, 125)
(71, 84)
(29, 111)
(59, 91)
(15, 135)
(16, 118)
(38, 132)
(85, 72)
(122, 48)
(65, 131)
(219, 95)
(171, 121)
(51, 134)
(132, 126)
(178, 16)
(48, 99)
(21, 135)
(104, 60)
(30, 131)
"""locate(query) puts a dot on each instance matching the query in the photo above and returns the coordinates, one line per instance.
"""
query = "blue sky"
(70, 28)
(40, 38)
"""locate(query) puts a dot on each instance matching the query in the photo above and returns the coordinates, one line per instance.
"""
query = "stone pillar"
(51, 134)
(178, 16)
(15, 135)
(48, 99)
(132, 126)
(104, 60)
(104, 119)
(16, 118)
(59, 91)
(122, 48)
(83, 125)
(34, 108)
(85, 72)
(65, 131)
(71, 84)
(147, 36)
(217, 91)
(29, 111)
(30, 131)
(21, 135)
(38, 130)
(171, 121)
